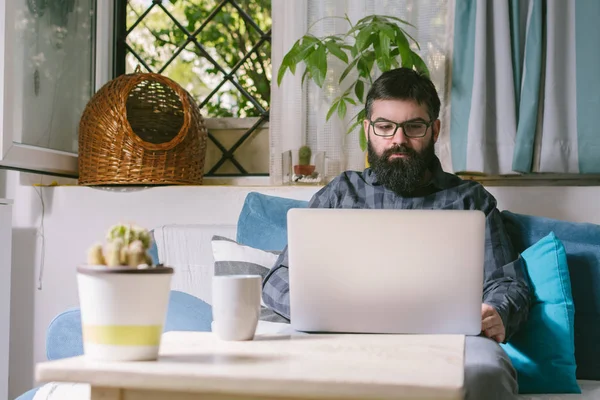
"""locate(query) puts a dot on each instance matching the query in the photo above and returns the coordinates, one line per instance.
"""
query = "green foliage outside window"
(227, 37)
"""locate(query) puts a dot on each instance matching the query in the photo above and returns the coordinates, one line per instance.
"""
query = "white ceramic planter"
(123, 311)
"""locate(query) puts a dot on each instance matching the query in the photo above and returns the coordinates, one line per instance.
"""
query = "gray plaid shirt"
(505, 286)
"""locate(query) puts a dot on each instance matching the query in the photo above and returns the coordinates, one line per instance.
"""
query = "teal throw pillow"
(582, 245)
(543, 350)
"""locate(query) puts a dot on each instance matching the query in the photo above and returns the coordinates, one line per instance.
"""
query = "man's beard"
(401, 175)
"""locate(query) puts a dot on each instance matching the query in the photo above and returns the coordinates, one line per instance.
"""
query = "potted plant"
(123, 297)
(304, 167)
(376, 41)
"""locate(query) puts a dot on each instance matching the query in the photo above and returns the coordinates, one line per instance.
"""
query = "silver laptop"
(386, 271)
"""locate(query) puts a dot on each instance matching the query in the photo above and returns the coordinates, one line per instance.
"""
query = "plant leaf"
(306, 46)
(384, 43)
(359, 25)
(363, 69)
(388, 17)
(420, 64)
(389, 30)
(352, 127)
(348, 69)
(368, 20)
(342, 109)
(317, 63)
(362, 138)
(304, 75)
(362, 114)
(364, 38)
(288, 62)
(403, 48)
(412, 38)
(365, 64)
(335, 49)
(334, 107)
(382, 52)
(359, 90)
(281, 73)
(359, 117)
(350, 100)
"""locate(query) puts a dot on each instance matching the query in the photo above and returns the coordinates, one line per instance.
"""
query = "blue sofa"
(262, 225)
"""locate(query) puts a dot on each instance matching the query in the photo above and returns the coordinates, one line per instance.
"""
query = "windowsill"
(238, 181)
(536, 179)
(250, 181)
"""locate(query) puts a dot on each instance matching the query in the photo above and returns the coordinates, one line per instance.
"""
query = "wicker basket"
(141, 129)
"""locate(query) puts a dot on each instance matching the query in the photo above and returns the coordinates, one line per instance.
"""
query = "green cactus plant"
(95, 255)
(304, 155)
(304, 168)
(127, 245)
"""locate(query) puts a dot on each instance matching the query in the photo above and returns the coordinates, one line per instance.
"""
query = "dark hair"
(404, 84)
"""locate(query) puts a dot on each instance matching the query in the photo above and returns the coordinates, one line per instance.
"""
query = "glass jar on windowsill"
(303, 167)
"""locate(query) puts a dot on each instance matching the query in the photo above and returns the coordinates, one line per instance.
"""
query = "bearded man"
(402, 126)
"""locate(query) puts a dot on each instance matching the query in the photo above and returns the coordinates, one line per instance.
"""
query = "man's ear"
(366, 127)
(436, 130)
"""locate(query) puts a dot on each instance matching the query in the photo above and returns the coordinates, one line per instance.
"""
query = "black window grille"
(228, 44)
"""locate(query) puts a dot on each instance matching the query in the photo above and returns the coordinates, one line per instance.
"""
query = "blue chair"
(64, 337)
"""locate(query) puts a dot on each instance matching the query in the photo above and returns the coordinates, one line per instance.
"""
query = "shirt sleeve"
(505, 283)
(276, 287)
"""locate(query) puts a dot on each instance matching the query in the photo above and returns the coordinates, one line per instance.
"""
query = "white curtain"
(297, 115)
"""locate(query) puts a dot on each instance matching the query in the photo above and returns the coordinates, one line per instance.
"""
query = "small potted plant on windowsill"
(375, 41)
(304, 167)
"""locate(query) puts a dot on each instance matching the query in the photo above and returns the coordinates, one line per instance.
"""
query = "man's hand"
(491, 323)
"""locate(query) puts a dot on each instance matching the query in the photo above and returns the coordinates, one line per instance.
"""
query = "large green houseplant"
(375, 40)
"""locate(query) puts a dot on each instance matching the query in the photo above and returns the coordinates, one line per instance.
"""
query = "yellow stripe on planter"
(123, 335)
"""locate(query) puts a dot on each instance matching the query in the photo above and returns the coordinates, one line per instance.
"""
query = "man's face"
(400, 162)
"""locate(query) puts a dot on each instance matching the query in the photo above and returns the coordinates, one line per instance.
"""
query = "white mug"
(236, 306)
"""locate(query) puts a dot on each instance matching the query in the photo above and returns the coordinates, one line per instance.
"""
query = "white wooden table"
(197, 365)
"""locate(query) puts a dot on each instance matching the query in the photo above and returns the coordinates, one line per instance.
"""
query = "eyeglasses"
(412, 129)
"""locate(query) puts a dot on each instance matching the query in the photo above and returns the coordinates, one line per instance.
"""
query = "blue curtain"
(525, 86)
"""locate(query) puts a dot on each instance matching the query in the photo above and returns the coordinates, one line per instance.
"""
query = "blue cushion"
(262, 223)
(582, 246)
(63, 336)
(185, 313)
(543, 350)
(29, 395)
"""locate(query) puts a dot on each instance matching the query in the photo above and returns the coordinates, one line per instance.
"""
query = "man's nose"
(399, 137)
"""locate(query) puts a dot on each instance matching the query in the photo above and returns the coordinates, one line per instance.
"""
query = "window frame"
(225, 123)
(34, 159)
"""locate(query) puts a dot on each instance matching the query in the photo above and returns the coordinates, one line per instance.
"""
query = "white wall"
(5, 272)
(76, 217)
(26, 242)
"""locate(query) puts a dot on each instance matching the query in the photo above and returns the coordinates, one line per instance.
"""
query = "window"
(220, 52)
